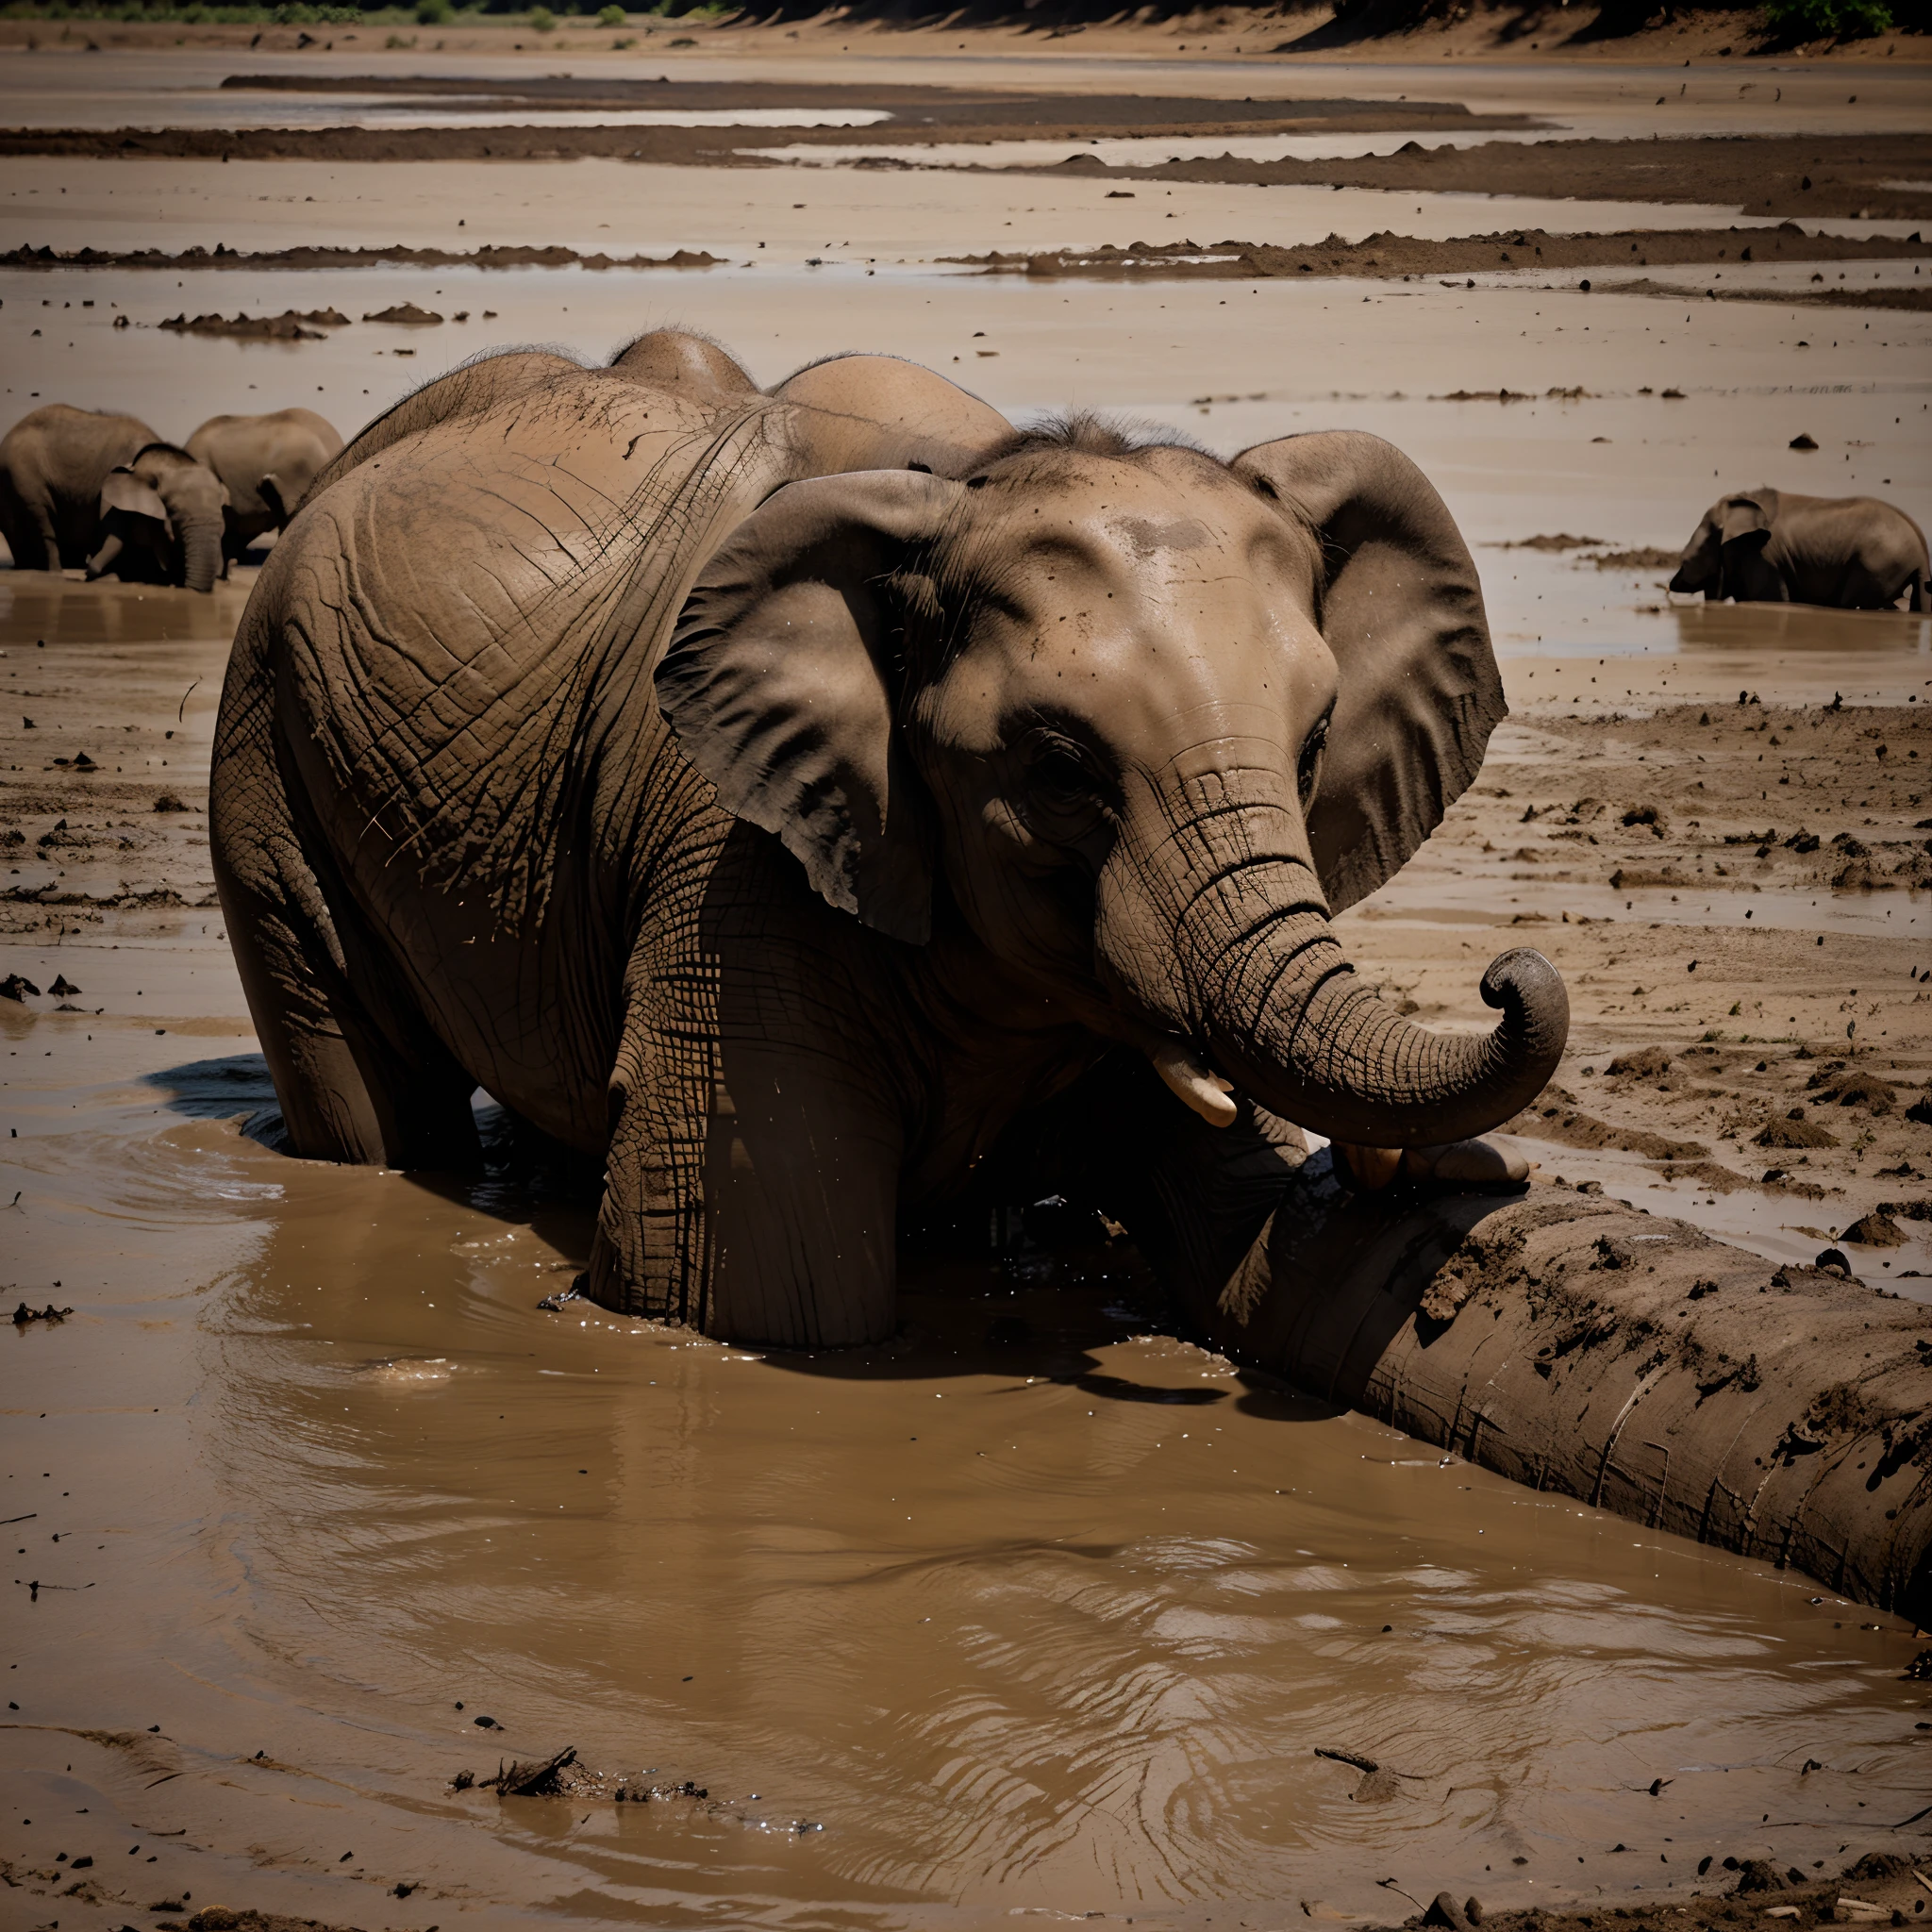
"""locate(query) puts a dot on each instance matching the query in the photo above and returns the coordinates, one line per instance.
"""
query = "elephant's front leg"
(752, 1182)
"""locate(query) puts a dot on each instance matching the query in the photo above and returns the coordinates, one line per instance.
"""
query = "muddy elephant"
(161, 521)
(53, 462)
(774, 804)
(1769, 546)
(266, 464)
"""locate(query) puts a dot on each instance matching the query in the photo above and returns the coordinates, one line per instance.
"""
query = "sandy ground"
(1040, 1609)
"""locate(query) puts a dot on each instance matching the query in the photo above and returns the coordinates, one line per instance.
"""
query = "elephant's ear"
(1746, 516)
(1402, 610)
(782, 684)
(122, 490)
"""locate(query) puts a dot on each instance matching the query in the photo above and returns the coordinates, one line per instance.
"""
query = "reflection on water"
(1760, 627)
(1035, 1605)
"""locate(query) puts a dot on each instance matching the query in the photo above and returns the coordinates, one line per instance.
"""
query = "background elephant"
(53, 462)
(776, 811)
(1768, 546)
(161, 521)
(266, 464)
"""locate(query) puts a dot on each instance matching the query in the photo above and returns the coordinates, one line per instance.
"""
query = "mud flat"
(1388, 255)
(1792, 174)
(306, 1436)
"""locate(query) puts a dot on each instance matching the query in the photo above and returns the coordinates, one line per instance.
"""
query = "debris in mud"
(17, 985)
(166, 801)
(1874, 1230)
(1387, 257)
(308, 256)
(62, 987)
(23, 1314)
(1794, 1130)
(533, 1780)
(289, 327)
(404, 312)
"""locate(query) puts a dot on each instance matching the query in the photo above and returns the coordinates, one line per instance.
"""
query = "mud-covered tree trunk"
(1577, 1344)
(1560, 1337)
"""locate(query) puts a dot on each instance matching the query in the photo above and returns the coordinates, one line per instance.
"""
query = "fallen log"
(1577, 1344)
(1565, 1340)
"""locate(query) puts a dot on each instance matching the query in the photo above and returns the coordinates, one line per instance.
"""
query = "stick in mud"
(535, 1780)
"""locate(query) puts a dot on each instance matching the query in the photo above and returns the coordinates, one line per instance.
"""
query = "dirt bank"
(1402, 256)
(1878, 175)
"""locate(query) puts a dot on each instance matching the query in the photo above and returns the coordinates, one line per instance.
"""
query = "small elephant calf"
(1769, 546)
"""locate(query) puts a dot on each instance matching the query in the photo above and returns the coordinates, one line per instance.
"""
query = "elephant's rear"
(427, 775)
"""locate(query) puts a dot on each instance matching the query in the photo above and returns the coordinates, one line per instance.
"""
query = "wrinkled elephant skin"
(776, 809)
(161, 519)
(266, 464)
(53, 462)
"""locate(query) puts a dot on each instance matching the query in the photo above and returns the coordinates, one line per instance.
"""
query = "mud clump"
(290, 326)
(1794, 1130)
(406, 312)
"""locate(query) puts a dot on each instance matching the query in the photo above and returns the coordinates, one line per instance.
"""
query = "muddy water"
(1039, 1607)
(1036, 1607)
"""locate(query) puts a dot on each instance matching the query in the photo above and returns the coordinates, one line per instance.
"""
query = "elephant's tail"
(1918, 600)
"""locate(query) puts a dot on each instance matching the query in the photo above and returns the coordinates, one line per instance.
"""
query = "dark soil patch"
(1783, 175)
(1408, 257)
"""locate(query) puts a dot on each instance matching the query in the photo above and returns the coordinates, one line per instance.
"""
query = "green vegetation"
(543, 20)
(434, 12)
(1817, 19)
(611, 16)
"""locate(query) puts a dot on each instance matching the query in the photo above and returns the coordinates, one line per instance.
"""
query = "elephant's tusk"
(1207, 1092)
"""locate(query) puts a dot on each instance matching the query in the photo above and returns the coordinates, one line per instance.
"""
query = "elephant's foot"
(1474, 1163)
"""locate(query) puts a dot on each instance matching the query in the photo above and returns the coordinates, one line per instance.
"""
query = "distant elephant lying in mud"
(266, 464)
(161, 521)
(1768, 546)
(774, 802)
(53, 462)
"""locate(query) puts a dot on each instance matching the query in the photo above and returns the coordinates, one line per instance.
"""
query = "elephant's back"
(466, 625)
(58, 438)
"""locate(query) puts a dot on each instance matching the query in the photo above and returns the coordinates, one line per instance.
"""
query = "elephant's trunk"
(201, 553)
(102, 561)
(1275, 1004)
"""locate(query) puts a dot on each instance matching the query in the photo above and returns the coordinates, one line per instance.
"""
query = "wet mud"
(1041, 1604)
(1391, 256)
(1864, 175)
(311, 256)
(352, 1585)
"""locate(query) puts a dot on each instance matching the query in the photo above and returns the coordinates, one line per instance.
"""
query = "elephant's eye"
(1061, 780)
(1309, 769)
(1062, 793)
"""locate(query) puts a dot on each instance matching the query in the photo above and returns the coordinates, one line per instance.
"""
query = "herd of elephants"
(816, 804)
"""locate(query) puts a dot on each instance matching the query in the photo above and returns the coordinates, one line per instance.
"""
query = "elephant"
(161, 521)
(266, 464)
(781, 808)
(53, 462)
(1770, 547)
(691, 364)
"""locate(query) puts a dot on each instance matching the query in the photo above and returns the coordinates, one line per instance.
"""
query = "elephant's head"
(1727, 551)
(1142, 719)
(165, 508)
